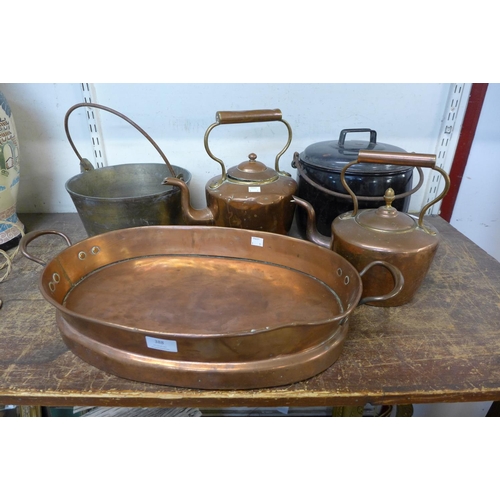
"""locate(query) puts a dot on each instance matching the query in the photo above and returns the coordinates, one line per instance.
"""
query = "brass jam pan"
(202, 307)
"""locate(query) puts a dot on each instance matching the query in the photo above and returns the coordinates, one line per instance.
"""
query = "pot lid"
(334, 155)
(386, 218)
(252, 171)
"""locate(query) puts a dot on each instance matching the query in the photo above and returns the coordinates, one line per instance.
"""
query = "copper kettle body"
(384, 234)
(249, 195)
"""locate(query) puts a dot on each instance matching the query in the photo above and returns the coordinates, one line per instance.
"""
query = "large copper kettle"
(249, 195)
(383, 234)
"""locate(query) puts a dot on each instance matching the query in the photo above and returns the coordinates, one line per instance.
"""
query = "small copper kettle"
(383, 233)
(249, 195)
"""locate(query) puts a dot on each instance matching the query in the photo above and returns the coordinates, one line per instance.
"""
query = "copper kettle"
(383, 233)
(249, 195)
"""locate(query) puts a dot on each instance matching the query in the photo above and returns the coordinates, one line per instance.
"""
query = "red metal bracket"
(471, 118)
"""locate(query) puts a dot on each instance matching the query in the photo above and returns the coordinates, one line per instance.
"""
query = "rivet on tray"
(56, 278)
(82, 255)
(346, 280)
(95, 250)
(52, 286)
(339, 271)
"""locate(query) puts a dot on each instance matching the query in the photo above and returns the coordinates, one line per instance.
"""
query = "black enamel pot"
(318, 178)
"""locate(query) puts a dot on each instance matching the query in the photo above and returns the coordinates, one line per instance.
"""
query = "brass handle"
(404, 159)
(27, 238)
(399, 281)
(398, 286)
(252, 116)
(117, 113)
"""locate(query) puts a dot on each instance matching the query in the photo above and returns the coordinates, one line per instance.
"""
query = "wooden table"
(443, 347)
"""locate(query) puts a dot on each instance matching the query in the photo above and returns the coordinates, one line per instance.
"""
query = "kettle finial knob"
(389, 197)
(252, 156)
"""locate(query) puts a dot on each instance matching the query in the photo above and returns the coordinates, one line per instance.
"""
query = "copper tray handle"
(29, 237)
(117, 113)
(252, 116)
(404, 159)
(399, 281)
(296, 164)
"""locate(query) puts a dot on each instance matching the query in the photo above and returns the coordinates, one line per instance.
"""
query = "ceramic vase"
(10, 225)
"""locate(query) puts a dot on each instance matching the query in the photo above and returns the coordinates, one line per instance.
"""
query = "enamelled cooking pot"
(202, 307)
(126, 195)
(318, 176)
(249, 195)
(383, 234)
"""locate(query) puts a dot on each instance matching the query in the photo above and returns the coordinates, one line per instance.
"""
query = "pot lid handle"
(405, 159)
(251, 116)
(344, 132)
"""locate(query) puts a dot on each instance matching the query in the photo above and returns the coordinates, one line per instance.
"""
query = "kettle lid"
(386, 218)
(252, 171)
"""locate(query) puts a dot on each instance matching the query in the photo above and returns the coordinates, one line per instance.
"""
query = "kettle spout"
(312, 232)
(190, 215)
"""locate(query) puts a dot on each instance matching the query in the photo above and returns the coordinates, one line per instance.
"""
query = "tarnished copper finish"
(384, 234)
(127, 195)
(249, 195)
(201, 307)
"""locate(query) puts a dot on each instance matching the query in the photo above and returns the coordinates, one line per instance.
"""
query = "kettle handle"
(83, 161)
(403, 159)
(251, 116)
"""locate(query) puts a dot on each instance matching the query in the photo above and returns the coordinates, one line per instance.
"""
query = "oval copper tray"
(202, 307)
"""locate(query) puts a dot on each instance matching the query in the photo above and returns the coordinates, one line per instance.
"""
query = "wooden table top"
(442, 347)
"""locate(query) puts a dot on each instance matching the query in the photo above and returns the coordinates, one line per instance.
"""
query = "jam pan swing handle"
(85, 164)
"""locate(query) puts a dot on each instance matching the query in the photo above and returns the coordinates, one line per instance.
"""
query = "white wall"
(46, 159)
(477, 208)
(177, 116)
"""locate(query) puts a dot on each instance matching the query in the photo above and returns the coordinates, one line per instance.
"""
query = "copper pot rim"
(347, 309)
